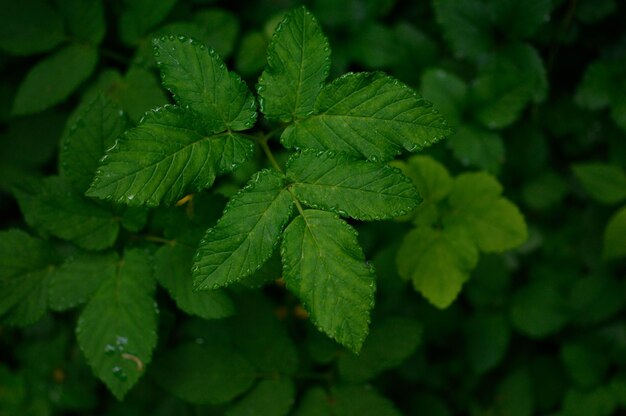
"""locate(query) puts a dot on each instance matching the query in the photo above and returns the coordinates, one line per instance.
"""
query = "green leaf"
(246, 235)
(487, 339)
(438, 262)
(169, 154)
(84, 20)
(324, 266)
(368, 115)
(268, 398)
(390, 343)
(359, 189)
(198, 78)
(95, 131)
(53, 79)
(76, 281)
(605, 183)
(52, 205)
(615, 236)
(493, 222)
(117, 329)
(29, 27)
(203, 374)
(173, 271)
(139, 16)
(446, 91)
(586, 363)
(475, 146)
(539, 309)
(431, 178)
(250, 58)
(346, 401)
(26, 264)
(298, 62)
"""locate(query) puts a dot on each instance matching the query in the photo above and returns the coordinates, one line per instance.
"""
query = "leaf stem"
(295, 200)
(269, 154)
(160, 240)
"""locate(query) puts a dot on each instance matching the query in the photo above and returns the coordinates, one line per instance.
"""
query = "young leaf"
(615, 236)
(605, 183)
(169, 154)
(79, 278)
(198, 79)
(324, 266)
(494, 222)
(298, 62)
(29, 27)
(368, 115)
(117, 329)
(204, 374)
(95, 131)
(53, 79)
(390, 343)
(438, 262)
(55, 207)
(268, 398)
(359, 189)
(431, 178)
(25, 267)
(173, 271)
(245, 237)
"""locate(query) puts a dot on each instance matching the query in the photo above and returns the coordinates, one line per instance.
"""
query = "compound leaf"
(324, 266)
(52, 205)
(359, 189)
(298, 61)
(204, 374)
(198, 79)
(169, 154)
(246, 235)
(53, 79)
(615, 236)
(117, 329)
(79, 278)
(368, 115)
(95, 131)
(605, 183)
(493, 221)
(438, 262)
(26, 264)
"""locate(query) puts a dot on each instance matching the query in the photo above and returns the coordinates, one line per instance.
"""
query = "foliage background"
(537, 94)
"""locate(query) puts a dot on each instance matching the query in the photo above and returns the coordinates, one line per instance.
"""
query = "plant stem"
(269, 154)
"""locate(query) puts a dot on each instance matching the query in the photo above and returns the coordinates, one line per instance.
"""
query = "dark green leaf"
(358, 189)
(139, 16)
(368, 115)
(117, 329)
(84, 20)
(605, 183)
(268, 398)
(324, 266)
(298, 61)
(245, 237)
(615, 236)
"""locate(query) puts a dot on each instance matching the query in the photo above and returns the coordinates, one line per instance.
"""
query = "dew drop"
(119, 373)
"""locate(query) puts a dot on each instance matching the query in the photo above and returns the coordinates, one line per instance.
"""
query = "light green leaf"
(139, 16)
(368, 115)
(25, 267)
(246, 235)
(615, 236)
(390, 343)
(475, 146)
(358, 189)
(117, 329)
(54, 78)
(431, 178)
(605, 183)
(169, 154)
(95, 131)
(438, 262)
(298, 62)
(491, 220)
(29, 27)
(324, 266)
(84, 20)
(268, 398)
(198, 78)
(52, 205)
(79, 278)
(173, 271)
(204, 374)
